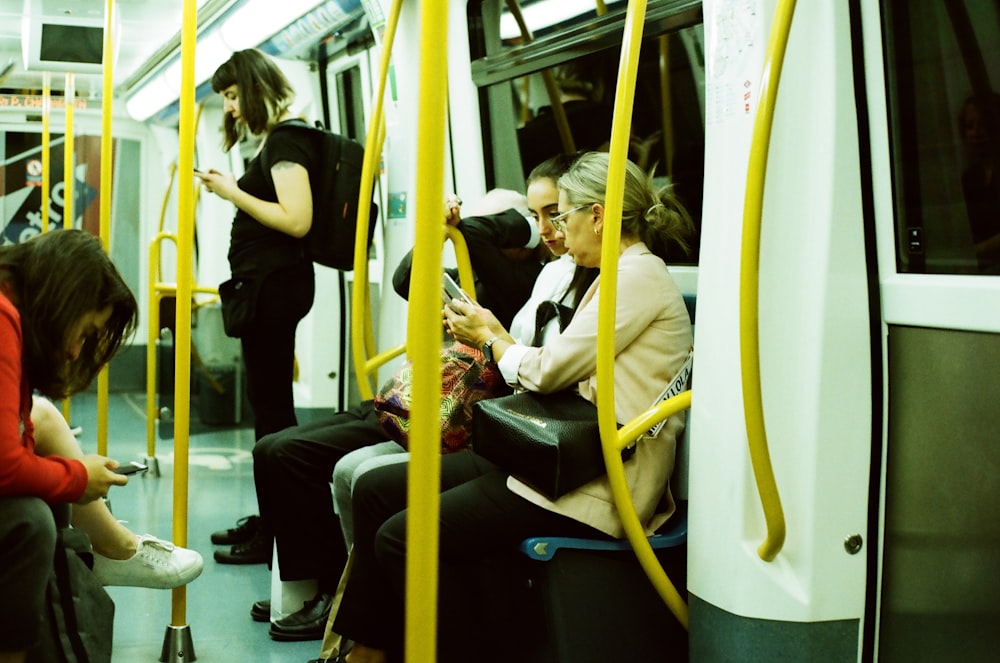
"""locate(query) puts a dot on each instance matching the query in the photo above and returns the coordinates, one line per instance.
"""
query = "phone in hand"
(135, 467)
(451, 291)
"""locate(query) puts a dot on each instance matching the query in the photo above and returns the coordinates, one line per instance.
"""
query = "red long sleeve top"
(22, 472)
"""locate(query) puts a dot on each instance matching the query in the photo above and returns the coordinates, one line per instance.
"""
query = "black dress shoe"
(245, 530)
(260, 611)
(309, 623)
(255, 551)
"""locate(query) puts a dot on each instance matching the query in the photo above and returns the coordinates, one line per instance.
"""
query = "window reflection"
(943, 79)
(667, 125)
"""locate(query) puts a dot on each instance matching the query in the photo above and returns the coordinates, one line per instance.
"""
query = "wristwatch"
(488, 349)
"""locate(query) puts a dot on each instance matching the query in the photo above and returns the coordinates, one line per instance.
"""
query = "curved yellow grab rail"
(624, 95)
(362, 340)
(372, 361)
(423, 337)
(157, 291)
(465, 277)
(753, 406)
(366, 360)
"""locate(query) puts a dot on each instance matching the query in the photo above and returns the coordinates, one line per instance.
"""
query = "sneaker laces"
(154, 551)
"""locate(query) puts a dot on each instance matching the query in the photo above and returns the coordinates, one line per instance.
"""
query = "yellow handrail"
(423, 337)
(182, 339)
(753, 407)
(362, 340)
(105, 209)
(366, 359)
(69, 183)
(157, 291)
(611, 440)
(46, 147)
(462, 259)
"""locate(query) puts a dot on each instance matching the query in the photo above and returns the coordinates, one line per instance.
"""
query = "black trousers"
(480, 518)
(285, 297)
(292, 472)
(27, 546)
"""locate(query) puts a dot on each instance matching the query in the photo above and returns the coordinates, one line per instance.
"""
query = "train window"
(575, 54)
(349, 104)
(944, 115)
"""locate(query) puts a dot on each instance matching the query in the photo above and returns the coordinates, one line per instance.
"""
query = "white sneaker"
(157, 563)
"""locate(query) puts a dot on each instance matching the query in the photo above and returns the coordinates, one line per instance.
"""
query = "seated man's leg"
(27, 547)
(292, 473)
(347, 471)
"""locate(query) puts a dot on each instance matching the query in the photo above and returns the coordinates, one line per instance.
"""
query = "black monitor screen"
(72, 43)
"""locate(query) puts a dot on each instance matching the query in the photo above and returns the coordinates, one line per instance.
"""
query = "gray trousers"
(27, 547)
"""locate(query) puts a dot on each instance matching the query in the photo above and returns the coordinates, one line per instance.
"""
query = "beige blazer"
(652, 339)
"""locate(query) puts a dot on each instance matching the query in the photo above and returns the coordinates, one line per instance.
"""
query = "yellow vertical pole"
(182, 340)
(105, 232)
(46, 147)
(423, 336)
(69, 97)
(69, 176)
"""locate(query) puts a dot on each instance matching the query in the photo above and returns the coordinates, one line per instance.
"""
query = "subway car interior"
(837, 479)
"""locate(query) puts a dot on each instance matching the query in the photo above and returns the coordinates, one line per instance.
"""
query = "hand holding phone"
(451, 291)
(135, 467)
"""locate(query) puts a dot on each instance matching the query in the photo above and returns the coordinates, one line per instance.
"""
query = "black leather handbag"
(551, 442)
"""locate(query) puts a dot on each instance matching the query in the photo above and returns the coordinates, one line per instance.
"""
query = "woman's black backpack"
(336, 188)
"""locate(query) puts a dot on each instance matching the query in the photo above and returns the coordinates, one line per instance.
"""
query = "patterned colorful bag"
(465, 379)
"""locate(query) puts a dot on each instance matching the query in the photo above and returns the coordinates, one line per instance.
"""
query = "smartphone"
(135, 467)
(452, 291)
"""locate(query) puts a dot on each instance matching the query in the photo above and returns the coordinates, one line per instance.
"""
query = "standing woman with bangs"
(273, 283)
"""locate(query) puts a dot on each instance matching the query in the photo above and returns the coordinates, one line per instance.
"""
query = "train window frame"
(496, 66)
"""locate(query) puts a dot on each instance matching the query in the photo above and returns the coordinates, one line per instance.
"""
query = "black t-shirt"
(252, 245)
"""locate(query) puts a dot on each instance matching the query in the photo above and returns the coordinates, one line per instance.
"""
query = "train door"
(935, 145)
(799, 593)
(878, 319)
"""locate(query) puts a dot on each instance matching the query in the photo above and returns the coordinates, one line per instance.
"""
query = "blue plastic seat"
(544, 548)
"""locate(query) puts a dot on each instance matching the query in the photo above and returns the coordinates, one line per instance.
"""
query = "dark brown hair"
(264, 93)
(54, 279)
(552, 169)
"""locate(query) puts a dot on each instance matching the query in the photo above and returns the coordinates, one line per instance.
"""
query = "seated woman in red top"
(64, 312)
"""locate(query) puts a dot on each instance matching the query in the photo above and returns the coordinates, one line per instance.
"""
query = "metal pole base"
(153, 464)
(177, 645)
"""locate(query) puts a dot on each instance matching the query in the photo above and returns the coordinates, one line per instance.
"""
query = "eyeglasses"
(559, 220)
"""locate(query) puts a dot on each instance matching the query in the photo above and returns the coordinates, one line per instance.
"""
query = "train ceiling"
(76, 27)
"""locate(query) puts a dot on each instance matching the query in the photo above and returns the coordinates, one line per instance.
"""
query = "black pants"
(285, 297)
(27, 546)
(292, 471)
(480, 517)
